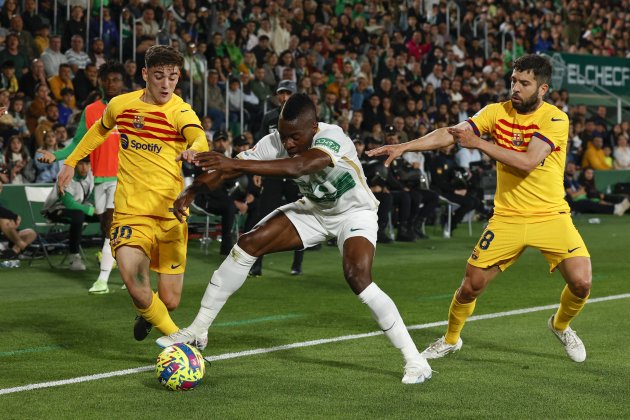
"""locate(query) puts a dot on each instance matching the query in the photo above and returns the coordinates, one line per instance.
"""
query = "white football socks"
(388, 318)
(226, 280)
(107, 262)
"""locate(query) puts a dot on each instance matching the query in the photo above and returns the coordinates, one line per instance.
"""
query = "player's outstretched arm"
(212, 180)
(537, 150)
(309, 162)
(434, 140)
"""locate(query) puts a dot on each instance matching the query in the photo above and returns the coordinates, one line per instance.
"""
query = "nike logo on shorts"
(173, 266)
(573, 249)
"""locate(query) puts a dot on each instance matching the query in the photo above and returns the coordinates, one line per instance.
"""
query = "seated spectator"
(47, 172)
(13, 53)
(41, 39)
(61, 134)
(18, 239)
(46, 124)
(85, 85)
(52, 57)
(37, 108)
(594, 156)
(622, 153)
(35, 75)
(73, 208)
(62, 81)
(8, 80)
(67, 106)
(18, 165)
(16, 111)
(77, 58)
(582, 197)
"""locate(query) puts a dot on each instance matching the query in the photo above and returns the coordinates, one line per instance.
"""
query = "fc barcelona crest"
(138, 121)
(517, 139)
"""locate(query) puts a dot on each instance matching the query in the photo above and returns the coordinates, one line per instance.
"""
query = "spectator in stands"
(33, 77)
(12, 52)
(86, 85)
(61, 134)
(594, 156)
(41, 39)
(97, 52)
(77, 58)
(74, 208)
(62, 81)
(18, 165)
(46, 124)
(16, 111)
(27, 45)
(8, 81)
(37, 108)
(52, 57)
(47, 172)
(622, 153)
(150, 27)
(67, 106)
(9, 9)
(75, 26)
(109, 35)
(577, 194)
(19, 240)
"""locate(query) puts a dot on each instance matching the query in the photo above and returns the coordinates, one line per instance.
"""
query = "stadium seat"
(51, 237)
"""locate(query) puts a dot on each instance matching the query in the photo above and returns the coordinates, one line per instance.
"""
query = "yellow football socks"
(458, 313)
(570, 307)
(158, 315)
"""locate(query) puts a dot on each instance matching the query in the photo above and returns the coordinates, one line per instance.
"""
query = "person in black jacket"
(276, 191)
(18, 239)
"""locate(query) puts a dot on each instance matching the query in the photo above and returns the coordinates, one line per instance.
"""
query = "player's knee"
(469, 290)
(171, 302)
(581, 284)
(357, 275)
(248, 243)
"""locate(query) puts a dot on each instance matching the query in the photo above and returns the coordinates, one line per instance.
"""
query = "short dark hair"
(539, 65)
(297, 105)
(109, 67)
(163, 55)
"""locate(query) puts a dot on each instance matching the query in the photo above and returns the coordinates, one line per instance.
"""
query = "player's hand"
(64, 177)
(46, 156)
(465, 138)
(392, 151)
(186, 155)
(214, 160)
(181, 204)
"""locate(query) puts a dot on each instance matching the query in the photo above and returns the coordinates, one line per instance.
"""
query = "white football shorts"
(104, 196)
(315, 227)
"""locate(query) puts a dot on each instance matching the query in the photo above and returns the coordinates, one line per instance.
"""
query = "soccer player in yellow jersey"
(530, 145)
(157, 131)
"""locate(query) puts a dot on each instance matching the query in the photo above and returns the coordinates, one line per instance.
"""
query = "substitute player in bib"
(157, 131)
(104, 160)
(336, 203)
(530, 144)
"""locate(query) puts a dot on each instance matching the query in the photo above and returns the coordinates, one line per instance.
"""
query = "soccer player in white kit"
(336, 203)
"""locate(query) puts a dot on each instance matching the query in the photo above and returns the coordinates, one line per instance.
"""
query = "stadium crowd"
(384, 71)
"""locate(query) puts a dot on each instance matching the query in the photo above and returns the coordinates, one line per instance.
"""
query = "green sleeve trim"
(78, 135)
(71, 204)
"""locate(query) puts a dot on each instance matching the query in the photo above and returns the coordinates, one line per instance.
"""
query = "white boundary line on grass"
(254, 352)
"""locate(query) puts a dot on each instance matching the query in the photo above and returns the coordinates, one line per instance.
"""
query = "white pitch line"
(254, 352)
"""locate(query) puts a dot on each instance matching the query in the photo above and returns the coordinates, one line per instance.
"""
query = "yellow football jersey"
(149, 178)
(539, 194)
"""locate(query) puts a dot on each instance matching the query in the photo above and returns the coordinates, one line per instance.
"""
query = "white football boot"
(441, 348)
(417, 372)
(183, 336)
(572, 344)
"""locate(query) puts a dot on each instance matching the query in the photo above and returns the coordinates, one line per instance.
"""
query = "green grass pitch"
(509, 367)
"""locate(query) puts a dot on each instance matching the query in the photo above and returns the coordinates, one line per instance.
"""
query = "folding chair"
(45, 229)
(450, 208)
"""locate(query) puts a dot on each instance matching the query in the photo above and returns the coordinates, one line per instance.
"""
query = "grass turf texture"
(509, 367)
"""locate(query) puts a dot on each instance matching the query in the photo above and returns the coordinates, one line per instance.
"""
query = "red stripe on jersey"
(146, 119)
(520, 127)
(145, 135)
(158, 114)
(506, 144)
(509, 133)
(152, 129)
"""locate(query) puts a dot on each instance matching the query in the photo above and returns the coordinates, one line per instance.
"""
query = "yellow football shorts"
(164, 241)
(502, 243)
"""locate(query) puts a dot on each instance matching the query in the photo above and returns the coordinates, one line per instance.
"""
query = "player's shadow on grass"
(355, 367)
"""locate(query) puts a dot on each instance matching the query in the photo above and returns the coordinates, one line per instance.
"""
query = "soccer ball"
(180, 367)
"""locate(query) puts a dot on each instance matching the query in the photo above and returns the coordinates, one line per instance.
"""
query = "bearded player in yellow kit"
(157, 131)
(530, 145)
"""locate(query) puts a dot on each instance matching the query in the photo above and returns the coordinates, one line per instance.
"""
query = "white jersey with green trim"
(338, 188)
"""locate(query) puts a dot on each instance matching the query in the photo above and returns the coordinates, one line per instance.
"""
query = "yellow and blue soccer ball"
(180, 367)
